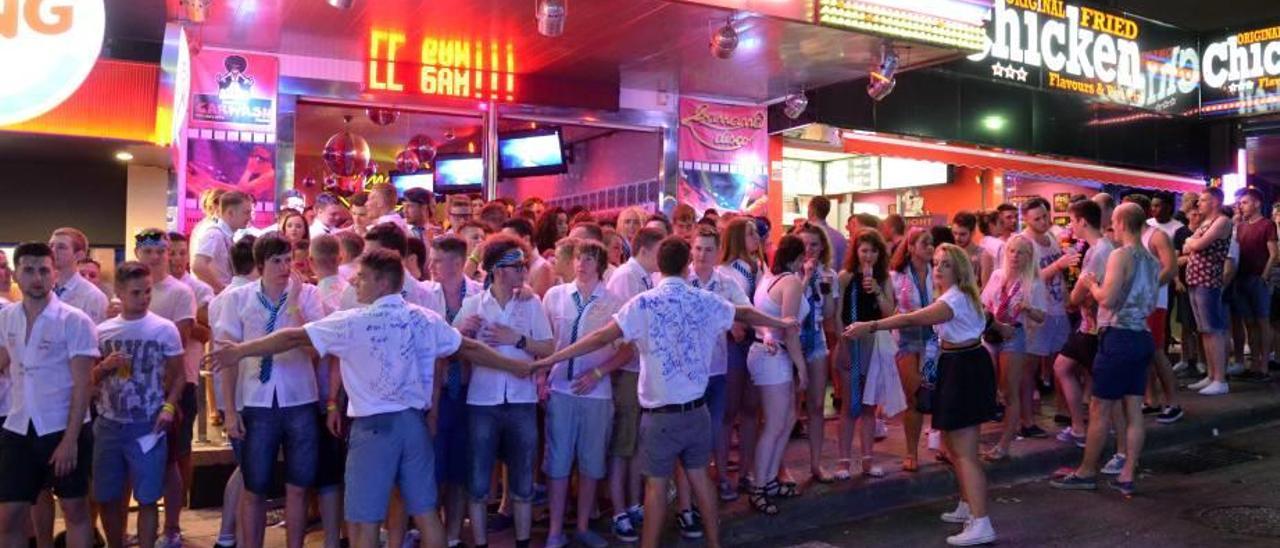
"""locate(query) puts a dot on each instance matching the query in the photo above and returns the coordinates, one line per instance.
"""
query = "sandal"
(842, 470)
(760, 502)
(910, 464)
(781, 490)
(821, 476)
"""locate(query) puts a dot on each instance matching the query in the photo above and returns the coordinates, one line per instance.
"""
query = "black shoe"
(1253, 376)
(1169, 415)
(1150, 410)
(1033, 432)
(1062, 420)
(690, 524)
(1273, 365)
(998, 416)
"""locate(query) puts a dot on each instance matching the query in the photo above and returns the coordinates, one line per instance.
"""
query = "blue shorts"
(668, 437)
(117, 459)
(510, 430)
(1013, 345)
(453, 456)
(1210, 311)
(266, 431)
(1120, 367)
(384, 451)
(1048, 338)
(577, 429)
(1250, 298)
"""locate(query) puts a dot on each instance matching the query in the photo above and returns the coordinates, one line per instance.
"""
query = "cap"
(420, 196)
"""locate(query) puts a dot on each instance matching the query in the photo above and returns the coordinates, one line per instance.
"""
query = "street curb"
(829, 505)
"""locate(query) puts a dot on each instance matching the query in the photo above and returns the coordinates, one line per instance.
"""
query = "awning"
(857, 142)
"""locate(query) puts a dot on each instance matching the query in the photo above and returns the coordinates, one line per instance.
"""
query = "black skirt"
(965, 394)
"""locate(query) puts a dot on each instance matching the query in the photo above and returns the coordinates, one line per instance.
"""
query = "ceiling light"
(795, 104)
(994, 122)
(551, 15)
(883, 78)
(124, 156)
(724, 40)
(197, 10)
(341, 4)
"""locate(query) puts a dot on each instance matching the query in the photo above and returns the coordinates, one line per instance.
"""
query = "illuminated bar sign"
(1110, 57)
(1242, 73)
(946, 23)
(441, 66)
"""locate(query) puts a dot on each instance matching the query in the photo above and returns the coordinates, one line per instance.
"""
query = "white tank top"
(1162, 294)
(766, 304)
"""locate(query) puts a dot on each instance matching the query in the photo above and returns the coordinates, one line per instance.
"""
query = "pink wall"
(613, 160)
(1046, 189)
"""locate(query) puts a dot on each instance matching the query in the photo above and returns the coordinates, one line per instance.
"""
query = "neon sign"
(448, 67)
(46, 51)
(1242, 73)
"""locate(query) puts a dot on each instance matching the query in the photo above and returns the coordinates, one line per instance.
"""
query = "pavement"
(901, 507)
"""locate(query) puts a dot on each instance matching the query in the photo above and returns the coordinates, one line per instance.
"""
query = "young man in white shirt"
(674, 327)
(632, 278)
(139, 383)
(580, 410)
(501, 408)
(388, 350)
(48, 349)
(271, 402)
(211, 261)
(419, 204)
(69, 247)
(392, 238)
(329, 215)
(324, 255)
(381, 207)
(176, 302)
(352, 247)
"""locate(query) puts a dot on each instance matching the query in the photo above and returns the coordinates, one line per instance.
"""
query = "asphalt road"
(1221, 493)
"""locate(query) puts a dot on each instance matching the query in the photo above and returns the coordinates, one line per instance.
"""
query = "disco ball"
(407, 161)
(346, 154)
(333, 183)
(382, 116)
(423, 146)
(724, 41)
(370, 170)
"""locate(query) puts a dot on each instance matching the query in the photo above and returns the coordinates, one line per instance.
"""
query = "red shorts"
(1156, 323)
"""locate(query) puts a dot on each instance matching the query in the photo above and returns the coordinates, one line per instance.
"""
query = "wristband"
(598, 374)
(168, 408)
(332, 406)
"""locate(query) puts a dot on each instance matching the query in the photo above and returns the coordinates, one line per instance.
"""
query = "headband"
(151, 239)
(513, 257)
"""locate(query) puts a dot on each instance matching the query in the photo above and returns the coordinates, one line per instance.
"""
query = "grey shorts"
(577, 429)
(117, 459)
(385, 451)
(1048, 338)
(665, 437)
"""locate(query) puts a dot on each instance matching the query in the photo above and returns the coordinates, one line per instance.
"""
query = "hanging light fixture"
(197, 10)
(883, 75)
(551, 15)
(724, 40)
(341, 4)
(795, 104)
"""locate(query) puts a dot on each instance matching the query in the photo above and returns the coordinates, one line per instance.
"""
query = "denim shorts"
(577, 429)
(266, 431)
(510, 430)
(1048, 338)
(117, 459)
(1210, 311)
(384, 451)
(331, 461)
(1250, 297)
(717, 395)
(453, 456)
(666, 437)
(1120, 369)
(1017, 344)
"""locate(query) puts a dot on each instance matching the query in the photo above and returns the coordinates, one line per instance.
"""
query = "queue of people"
(410, 369)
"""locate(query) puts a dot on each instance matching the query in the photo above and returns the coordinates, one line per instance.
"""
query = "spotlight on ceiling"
(795, 104)
(551, 15)
(341, 4)
(197, 10)
(124, 156)
(883, 75)
(724, 40)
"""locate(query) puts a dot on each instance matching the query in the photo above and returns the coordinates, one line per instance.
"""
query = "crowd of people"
(412, 362)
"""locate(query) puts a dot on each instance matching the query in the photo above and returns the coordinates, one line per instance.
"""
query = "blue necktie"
(811, 331)
(648, 283)
(453, 374)
(573, 333)
(750, 275)
(273, 314)
(59, 291)
(417, 231)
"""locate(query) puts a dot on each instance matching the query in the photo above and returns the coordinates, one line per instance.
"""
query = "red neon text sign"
(447, 67)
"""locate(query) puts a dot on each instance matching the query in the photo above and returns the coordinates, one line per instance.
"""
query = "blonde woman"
(1015, 296)
(964, 394)
(741, 260)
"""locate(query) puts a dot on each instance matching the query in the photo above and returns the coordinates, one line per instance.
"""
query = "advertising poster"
(1241, 74)
(232, 90)
(247, 167)
(723, 151)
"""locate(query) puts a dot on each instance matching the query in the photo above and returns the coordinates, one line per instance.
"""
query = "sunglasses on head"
(151, 237)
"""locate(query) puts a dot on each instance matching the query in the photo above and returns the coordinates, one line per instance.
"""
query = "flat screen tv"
(405, 181)
(458, 173)
(531, 153)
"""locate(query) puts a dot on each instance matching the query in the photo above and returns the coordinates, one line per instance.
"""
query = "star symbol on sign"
(997, 70)
(1022, 74)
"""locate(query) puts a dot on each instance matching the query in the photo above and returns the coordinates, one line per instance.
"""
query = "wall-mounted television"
(405, 181)
(531, 153)
(458, 173)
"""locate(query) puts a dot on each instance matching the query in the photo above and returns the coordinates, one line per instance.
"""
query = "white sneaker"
(1200, 384)
(1203, 368)
(412, 538)
(959, 515)
(882, 430)
(934, 440)
(1235, 368)
(977, 531)
(1215, 389)
(1115, 465)
(1181, 366)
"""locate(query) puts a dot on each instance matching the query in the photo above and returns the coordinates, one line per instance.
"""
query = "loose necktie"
(750, 275)
(273, 316)
(59, 290)
(573, 333)
(811, 331)
(648, 283)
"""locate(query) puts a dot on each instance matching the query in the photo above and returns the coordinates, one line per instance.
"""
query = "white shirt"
(526, 316)
(242, 317)
(726, 289)
(389, 367)
(1169, 228)
(149, 341)
(993, 246)
(393, 218)
(630, 279)
(562, 311)
(330, 289)
(346, 271)
(412, 290)
(1162, 294)
(40, 367)
(318, 228)
(436, 290)
(84, 296)
(202, 291)
(966, 324)
(173, 300)
(674, 328)
(195, 349)
(215, 243)
(1036, 296)
(730, 272)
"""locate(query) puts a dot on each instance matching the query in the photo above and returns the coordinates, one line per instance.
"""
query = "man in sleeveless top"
(1045, 340)
(1207, 249)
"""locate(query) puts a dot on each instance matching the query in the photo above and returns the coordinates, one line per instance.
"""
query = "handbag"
(928, 377)
(990, 334)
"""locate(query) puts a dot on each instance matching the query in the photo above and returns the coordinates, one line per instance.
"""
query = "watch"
(520, 344)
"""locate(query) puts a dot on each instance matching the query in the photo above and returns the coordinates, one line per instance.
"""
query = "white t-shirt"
(967, 322)
(244, 318)
(41, 372)
(674, 328)
(214, 242)
(1162, 294)
(173, 300)
(993, 246)
(491, 386)
(388, 351)
(1169, 228)
(412, 290)
(562, 311)
(195, 349)
(79, 293)
(149, 341)
(627, 281)
(729, 290)
(330, 289)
